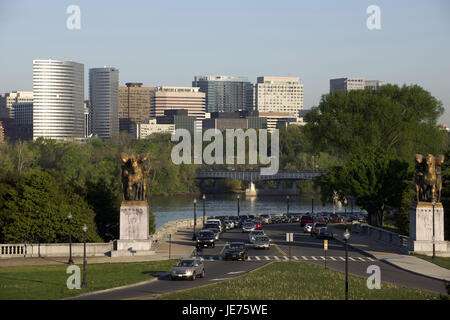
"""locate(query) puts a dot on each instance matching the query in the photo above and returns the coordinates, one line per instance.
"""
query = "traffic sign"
(325, 245)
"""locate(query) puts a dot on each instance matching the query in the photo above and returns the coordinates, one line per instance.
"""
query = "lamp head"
(346, 234)
(69, 216)
(204, 197)
(238, 196)
(85, 228)
(195, 201)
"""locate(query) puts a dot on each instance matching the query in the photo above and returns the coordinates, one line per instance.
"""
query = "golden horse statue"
(428, 177)
(134, 176)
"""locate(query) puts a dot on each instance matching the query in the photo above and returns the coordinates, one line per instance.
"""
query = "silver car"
(253, 234)
(248, 227)
(261, 242)
(188, 269)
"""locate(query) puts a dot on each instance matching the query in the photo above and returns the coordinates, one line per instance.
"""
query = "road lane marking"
(351, 259)
(304, 258)
(361, 259)
(342, 258)
(286, 258)
(323, 258)
(258, 258)
(276, 258)
(279, 249)
(370, 259)
(314, 258)
(235, 272)
(267, 258)
(333, 258)
(295, 258)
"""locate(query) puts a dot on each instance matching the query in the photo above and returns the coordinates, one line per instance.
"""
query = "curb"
(390, 263)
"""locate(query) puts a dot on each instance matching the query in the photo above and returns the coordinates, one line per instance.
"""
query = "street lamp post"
(84, 284)
(346, 237)
(287, 204)
(433, 203)
(195, 219)
(204, 209)
(69, 217)
(238, 205)
(312, 204)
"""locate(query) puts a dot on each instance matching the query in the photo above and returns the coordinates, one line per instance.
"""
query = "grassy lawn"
(443, 262)
(296, 281)
(49, 281)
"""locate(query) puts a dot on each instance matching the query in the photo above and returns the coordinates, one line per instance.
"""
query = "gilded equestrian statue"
(428, 177)
(134, 176)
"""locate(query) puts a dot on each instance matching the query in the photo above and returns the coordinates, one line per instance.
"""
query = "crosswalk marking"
(285, 258)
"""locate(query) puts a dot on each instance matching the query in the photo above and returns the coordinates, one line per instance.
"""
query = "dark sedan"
(324, 233)
(236, 251)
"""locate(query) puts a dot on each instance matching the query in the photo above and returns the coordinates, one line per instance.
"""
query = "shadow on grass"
(29, 280)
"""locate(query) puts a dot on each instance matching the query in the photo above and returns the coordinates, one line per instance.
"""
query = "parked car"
(316, 227)
(307, 228)
(228, 224)
(252, 235)
(324, 233)
(205, 238)
(218, 222)
(236, 221)
(258, 225)
(213, 227)
(276, 219)
(261, 242)
(266, 219)
(236, 251)
(306, 219)
(248, 227)
(188, 269)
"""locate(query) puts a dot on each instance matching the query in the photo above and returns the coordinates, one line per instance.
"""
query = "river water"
(168, 208)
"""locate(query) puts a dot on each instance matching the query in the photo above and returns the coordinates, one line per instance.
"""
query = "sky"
(169, 42)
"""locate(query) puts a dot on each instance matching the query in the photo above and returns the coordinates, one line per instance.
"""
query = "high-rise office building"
(7, 101)
(225, 93)
(23, 117)
(104, 101)
(87, 128)
(134, 104)
(278, 94)
(2, 132)
(348, 84)
(372, 84)
(58, 92)
(171, 98)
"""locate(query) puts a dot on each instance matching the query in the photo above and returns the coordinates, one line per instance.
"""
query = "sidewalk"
(393, 256)
(180, 246)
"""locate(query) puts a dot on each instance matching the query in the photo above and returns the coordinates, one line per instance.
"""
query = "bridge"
(254, 175)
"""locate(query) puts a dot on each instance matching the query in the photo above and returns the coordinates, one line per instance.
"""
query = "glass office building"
(225, 93)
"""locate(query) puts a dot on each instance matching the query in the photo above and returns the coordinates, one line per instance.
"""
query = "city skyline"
(315, 42)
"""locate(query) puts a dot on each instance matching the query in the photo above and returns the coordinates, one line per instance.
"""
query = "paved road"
(304, 248)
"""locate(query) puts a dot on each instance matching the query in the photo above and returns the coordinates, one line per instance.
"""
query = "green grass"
(297, 281)
(49, 282)
(443, 262)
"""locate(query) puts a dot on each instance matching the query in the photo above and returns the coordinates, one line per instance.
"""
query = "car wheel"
(193, 276)
(203, 274)
(213, 245)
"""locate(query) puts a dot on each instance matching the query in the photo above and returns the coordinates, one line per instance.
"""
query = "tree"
(399, 121)
(36, 207)
(377, 181)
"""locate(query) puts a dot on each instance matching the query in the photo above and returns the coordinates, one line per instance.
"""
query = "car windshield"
(206, 233)
(236, 246)
(262, 239)
(319, 225)
(186, 263)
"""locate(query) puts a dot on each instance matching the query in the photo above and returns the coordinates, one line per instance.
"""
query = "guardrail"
(382, 235)
(13, 250)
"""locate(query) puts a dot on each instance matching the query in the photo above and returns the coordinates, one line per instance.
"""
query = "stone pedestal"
(421, 227)
(134, 230)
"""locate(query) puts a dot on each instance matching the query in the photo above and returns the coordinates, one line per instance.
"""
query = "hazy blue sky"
(169, 42)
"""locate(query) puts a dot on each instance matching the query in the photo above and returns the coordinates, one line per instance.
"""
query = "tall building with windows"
(58, 94)
(23, 117)
(104, 101)
(2, 132)
(134, 104)
(174, 98)
(225, 93)
(348, 84)
(278, 94)
(7, 101)
(87, 119)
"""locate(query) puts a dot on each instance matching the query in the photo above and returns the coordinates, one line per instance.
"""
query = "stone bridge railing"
(382, 235)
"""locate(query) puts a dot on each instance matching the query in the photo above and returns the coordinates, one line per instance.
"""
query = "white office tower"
(104, 101)
(278, 94)
(58, 94)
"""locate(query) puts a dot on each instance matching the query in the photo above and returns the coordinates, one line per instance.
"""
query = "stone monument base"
(421, 227)
(124, 248)
(134, 230)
